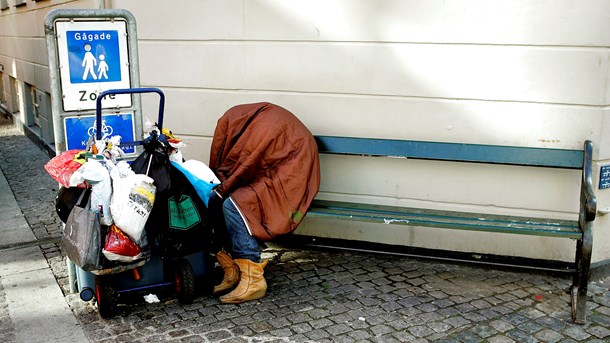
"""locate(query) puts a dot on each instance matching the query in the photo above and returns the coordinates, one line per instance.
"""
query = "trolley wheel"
(106, 299)
(185, 282)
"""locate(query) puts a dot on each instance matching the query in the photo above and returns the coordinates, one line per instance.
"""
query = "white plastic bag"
(111, 148)
(176, 156)
(201, 171)
(132, 201)
(96, 174)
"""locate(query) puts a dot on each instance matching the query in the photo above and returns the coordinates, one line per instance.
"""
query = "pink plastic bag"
(62, 166)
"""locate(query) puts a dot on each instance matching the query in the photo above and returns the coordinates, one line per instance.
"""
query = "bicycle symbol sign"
(79, 129)
(106, 130)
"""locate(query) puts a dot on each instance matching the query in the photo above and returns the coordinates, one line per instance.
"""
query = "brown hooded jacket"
(267, 162)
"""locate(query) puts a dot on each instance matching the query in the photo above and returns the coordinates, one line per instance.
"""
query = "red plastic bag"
(62, 166)
(119, 247)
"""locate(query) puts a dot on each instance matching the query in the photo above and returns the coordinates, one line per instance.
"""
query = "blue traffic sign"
(79, 129)
(94, 56)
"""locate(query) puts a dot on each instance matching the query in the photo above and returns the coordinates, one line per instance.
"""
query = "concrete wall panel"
(522, 22)
(526, 74)
(195, 111)
(197, 20)
(479, 22)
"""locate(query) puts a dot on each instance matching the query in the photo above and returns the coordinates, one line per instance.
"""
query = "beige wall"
(23, 52)
(24, 60)
(529, 73)
(515, 73)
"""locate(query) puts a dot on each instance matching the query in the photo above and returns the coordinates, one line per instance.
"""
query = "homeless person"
(267, 162)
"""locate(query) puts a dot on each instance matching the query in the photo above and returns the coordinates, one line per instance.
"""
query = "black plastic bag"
(187, 230)
(154, 161)
(66, 199)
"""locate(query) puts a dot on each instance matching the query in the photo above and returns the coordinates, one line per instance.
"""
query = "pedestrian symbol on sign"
(89, 62)
(93, 56)
(103, 68)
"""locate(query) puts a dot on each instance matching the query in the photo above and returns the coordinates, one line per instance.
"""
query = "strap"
(80, 199)
(150, 157)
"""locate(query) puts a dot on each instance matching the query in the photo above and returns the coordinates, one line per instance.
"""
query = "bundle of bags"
(112, 208)
(106, 203)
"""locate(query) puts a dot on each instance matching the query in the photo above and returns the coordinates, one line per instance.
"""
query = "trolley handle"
(98, 107)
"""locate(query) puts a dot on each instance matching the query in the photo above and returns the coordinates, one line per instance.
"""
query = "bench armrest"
(588, 200)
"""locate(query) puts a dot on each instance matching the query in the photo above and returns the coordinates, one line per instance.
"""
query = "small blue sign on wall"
(604, 177)
(94, 56)
(79, 129)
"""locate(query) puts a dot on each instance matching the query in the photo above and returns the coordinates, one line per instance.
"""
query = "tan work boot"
(252, 284)
(231, 273)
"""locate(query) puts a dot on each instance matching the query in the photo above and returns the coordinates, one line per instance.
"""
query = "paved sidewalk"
(313, 296)
(32, 305)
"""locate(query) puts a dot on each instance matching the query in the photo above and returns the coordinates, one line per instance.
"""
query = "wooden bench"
(578, 230)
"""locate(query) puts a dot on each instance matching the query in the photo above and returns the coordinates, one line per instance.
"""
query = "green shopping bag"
(183, 213)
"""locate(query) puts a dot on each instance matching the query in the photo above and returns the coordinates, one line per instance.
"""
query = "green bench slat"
(445, 219)
(495, 154)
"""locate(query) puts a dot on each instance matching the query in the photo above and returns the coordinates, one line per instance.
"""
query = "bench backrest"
(478, 153)
(495, 154)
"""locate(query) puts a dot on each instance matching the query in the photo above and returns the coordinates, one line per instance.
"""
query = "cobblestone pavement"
(324, 296)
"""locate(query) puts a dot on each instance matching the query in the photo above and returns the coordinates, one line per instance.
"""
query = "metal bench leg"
(581, 276)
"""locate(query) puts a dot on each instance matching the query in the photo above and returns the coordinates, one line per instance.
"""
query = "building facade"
(516, 72)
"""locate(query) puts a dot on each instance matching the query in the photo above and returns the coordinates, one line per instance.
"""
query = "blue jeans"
(243, 245)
